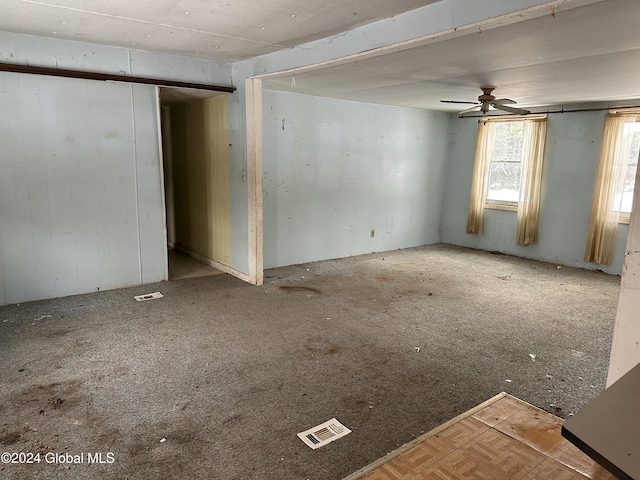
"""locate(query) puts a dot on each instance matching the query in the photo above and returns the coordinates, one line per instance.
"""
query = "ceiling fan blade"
(502, 101)
(456, 101)
(475, 107)
(517, 111)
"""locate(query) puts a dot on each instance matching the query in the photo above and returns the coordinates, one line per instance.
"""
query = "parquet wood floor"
(502, 439)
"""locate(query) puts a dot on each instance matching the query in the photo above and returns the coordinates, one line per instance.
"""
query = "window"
(614, 185)
(631, 142)
(508, 171)
(505, 165)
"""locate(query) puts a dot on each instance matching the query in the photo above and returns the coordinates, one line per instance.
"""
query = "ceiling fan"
(487, 100)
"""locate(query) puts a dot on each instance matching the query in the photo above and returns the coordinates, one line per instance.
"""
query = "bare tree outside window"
(505, 168)
(632, 129)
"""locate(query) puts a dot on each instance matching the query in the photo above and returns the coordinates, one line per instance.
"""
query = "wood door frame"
(247, 277)
(253, 89)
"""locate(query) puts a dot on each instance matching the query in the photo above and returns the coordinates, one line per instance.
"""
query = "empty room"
(339, 240)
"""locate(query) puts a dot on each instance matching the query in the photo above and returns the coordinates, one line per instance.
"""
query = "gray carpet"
(214, 380)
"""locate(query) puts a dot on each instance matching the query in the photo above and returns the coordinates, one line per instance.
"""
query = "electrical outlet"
(373, 233)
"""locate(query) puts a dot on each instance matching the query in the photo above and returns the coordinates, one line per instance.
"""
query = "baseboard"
(213, 263)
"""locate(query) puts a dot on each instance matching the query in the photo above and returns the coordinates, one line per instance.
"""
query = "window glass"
(633, 130)
(505, 168)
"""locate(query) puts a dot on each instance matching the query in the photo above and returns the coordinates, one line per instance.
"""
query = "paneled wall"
(625, 350)
(334, 171)
(56, 52)
(200, 178)
(80, 187)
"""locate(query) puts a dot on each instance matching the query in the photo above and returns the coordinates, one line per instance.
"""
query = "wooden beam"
(253, 87)
(110, 77)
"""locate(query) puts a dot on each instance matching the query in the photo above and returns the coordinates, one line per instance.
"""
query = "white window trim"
(624, 216)
(501, 205)
(507, 205)
(527, 207)
(603, 220)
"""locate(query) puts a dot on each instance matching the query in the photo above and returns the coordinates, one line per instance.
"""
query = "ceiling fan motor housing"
(486, 95)
(487, 90)
(486, 98)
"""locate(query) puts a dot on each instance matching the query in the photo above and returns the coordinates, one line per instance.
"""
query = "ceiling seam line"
(145, 22)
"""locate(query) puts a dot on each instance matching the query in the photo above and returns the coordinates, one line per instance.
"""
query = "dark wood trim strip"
(60, 72)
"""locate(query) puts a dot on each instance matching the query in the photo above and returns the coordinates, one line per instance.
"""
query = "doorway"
(194, 128)
(182, 265)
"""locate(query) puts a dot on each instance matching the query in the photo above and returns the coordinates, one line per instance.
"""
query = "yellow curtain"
(484, 144)
(605, 215)
(529, 198)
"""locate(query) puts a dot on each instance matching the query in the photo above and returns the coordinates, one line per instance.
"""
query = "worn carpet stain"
(295, 288)
(10, 438)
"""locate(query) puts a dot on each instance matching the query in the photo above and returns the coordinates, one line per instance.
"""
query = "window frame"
(505, 205)
(625, 217)
(604, 218)
(528, 209)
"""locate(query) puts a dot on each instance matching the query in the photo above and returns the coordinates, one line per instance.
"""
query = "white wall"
(53, 52)
(625, 348)
(439, 20)
(568, 175)
(23, 49)
(334, 170)
(80, 187)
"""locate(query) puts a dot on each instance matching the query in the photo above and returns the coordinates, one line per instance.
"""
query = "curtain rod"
(60, 72)
(575, 110)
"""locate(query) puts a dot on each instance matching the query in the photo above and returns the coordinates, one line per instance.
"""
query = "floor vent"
(149, 296)
(324, 433)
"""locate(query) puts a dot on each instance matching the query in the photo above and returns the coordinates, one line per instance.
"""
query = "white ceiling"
(220, 30)
(585, 54)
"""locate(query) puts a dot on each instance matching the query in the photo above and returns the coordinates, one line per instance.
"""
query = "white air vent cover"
(148, 296)
(324, 433)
